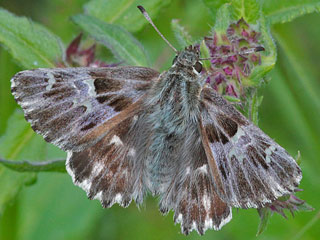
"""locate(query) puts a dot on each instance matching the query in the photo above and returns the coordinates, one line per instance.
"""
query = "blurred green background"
(53, 208)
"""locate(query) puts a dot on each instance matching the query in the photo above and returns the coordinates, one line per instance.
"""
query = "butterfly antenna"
(244, 52)
(146, 15)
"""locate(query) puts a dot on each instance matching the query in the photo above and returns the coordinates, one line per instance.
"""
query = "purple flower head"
(77, 57)
(232, 57)
(228, 71)
(231, 91)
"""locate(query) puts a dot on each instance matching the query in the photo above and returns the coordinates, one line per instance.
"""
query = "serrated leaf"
(121, 43)
(19, 143)
(287, 10)
(214, 5)
(268, 57)
(223, 19)
(124, 12)
(249, 10)
(30, 43)
(182, 36)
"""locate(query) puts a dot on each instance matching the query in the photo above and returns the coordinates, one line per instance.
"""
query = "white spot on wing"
(179, 218)
(51, 81)
(97, 168)
(13, 83)
(208, 223)
(118, 198)
(206, 202)
(203, 168)
(116, 140)
(98, 196)
(91, 88)
(238, 156)
(268, 152)
(85, 185)
(194, 226)
(238, 134)
(132, 152)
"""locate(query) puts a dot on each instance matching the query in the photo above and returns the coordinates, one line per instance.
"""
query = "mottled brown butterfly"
(130, 130)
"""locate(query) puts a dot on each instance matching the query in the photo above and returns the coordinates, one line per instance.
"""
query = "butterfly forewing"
(248, 167)
(108, 170)
(73, 107)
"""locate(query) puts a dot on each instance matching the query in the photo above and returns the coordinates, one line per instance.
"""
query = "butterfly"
(131, 130)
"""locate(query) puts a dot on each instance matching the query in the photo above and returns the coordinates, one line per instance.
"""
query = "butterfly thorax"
(171, 117)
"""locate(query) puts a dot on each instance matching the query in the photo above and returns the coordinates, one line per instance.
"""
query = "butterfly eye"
(174, 60)
(198, 67)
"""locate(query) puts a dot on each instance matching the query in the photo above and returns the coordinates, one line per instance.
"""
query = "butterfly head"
(189, 57)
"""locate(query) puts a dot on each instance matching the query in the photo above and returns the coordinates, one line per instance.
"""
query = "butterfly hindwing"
(72, 107)
(249, 168)
(192, 195)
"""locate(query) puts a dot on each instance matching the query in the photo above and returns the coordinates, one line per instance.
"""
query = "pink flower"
(230, 91)
(228, 71)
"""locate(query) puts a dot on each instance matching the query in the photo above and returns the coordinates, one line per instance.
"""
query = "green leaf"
(6, 72)
(255, 103)
(214, 5)
(10, 184)
(265, 214)
(26, 166)
(287, 10)
(299, 74)
(121, 43)
(8, 221)
(205, 53)
(19, 143)
(28, 42)
(54, 208)
(305, 78)
(182, 36)
(249, 10)
(223, 19)
(305, 207)
(298, 158)
(268, 57)
(124, 12)
(232, 99)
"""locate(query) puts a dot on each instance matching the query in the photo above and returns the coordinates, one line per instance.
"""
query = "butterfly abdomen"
(171, 114)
